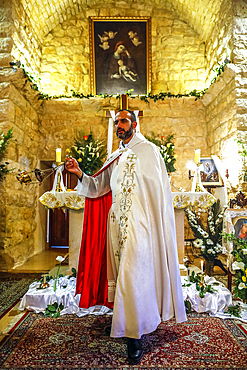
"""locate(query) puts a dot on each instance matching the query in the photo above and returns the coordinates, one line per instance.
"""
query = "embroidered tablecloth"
(63, 199)
(69, 199)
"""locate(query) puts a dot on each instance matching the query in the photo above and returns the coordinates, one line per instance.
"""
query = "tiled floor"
(42, 262)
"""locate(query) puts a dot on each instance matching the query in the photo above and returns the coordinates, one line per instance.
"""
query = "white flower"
(60, 259)
(244, 251)
(202, 248)
(241, 286)
(197, 243)
(238, 265)
(209, 242)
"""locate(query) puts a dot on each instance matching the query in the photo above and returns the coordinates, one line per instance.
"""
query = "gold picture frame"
(120, 55)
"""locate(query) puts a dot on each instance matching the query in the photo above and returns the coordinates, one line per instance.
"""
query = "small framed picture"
(236, 222)
(120, 53)
(209, 173)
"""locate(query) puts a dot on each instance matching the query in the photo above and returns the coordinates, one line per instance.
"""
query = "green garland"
(34, 81)
(4, 142)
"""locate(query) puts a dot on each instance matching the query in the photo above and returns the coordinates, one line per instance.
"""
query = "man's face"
(123, 125)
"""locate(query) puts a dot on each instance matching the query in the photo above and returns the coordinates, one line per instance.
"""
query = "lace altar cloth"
(38, 299)
(70, 199)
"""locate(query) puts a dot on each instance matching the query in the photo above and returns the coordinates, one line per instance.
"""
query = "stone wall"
(219, 43)
(221, 119)
(240, 55)
(18, 218)
(25, 41)
(178, 63)
(61, 119)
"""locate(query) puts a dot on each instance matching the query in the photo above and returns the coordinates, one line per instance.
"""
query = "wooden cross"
(123, 105)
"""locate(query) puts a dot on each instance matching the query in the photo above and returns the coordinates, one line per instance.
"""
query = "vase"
(209, 267)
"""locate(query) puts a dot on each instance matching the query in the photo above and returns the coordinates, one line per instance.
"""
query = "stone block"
(7, 110)
(6, 45)
(58, 31)
(6, 29)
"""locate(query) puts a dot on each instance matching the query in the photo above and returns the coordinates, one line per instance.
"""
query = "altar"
(75, 204)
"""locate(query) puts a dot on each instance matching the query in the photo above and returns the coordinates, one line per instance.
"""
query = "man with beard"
(142, 263)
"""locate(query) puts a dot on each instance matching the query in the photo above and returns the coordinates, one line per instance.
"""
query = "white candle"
(197, 155)
(58, 155)
(202, 266)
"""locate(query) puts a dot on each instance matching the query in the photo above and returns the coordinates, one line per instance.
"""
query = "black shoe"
(108, 330)
(135, 351)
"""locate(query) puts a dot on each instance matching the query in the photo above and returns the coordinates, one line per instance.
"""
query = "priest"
(136, 247)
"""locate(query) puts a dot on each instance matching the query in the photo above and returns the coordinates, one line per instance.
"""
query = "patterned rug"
(12, 288)
(70, 342)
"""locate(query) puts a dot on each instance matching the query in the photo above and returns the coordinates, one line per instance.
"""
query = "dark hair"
(133, 116)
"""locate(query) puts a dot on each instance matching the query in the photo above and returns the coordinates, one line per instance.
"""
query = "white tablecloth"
(38, 299)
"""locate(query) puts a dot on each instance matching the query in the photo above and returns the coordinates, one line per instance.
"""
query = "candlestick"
(197, 156)
(58, 155)
(202, 266)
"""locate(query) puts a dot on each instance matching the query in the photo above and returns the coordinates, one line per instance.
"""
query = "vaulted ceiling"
(44, 15)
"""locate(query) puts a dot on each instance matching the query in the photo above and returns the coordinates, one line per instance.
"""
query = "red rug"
(70, 342)
(12, 287)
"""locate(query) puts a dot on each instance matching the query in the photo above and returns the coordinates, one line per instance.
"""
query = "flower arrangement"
(209, 238)
(4, 142)
(88, 152)
(166, 146)
(240, 264)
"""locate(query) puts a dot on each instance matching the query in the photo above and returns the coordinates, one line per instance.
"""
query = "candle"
(202, 266)
(58, 155)
(197, 156)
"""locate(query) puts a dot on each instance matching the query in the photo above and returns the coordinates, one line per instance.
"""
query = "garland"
(35, 82)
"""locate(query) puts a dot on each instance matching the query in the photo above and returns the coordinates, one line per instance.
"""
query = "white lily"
(241, 286)
(60, 258)
(238, 265)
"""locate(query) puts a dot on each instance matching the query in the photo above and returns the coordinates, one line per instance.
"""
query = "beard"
(124, 135)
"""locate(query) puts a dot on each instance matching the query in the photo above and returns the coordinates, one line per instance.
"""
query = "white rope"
(58, 170)
(137, 120)
(110, 133)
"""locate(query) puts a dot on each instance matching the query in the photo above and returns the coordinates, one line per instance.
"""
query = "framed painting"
(236, 222)
(120, 55)
(209, 175)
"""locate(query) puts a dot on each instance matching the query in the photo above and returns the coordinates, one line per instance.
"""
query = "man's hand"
(72, 166)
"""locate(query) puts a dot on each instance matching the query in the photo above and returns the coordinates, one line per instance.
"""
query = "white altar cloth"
(38, 299)
(212, 302)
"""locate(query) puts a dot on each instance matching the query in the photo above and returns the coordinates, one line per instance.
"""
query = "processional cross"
(123, 105)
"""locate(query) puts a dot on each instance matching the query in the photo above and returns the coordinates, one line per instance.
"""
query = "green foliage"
(204, 288)
(166, 146)
(88, 152)
(53, 310)
(208, 237)
(35, 83)
(240, 255)
(219, 69)
(195, 278)
(4, 142)
(187, 305)
(234, 310)
(74, 273)
(243, 153)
